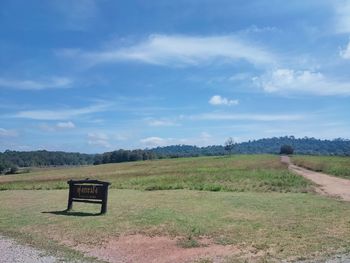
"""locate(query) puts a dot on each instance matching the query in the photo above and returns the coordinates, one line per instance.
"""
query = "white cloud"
(178, 50)
(342, 16)
(345, 53)
(65, 125)
(8, 133)
(50, 83)
(161, 122)
(256, 29)
(286, 81)
(98, 139)
(203, 138)
(120, 137)
(154, 141)
(60, 114)
(58, 126)
(247, 117)
(218, 100)
(239, 77)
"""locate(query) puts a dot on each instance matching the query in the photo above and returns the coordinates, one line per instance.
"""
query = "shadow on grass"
(71, 213)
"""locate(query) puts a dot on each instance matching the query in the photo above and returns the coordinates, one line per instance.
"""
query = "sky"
(98, 75)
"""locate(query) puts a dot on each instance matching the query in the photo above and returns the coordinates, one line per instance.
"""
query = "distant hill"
(304, 145)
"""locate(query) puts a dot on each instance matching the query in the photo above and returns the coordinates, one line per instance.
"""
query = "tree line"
(120, 156)
(10, 160)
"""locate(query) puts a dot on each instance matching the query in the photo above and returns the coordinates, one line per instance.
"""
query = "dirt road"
(327, 184)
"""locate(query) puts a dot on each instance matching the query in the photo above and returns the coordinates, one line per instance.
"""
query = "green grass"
(188, 242)
(287, 225)
(334, 165)
(258, 173)
(251, 201)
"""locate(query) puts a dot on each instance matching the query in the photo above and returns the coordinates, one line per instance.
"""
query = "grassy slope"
(335, 165)
(261, 173)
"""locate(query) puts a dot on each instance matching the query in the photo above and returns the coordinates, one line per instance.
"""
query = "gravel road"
(11, 252)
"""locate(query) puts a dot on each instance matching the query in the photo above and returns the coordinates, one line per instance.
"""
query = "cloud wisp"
(98, 139)
(60, 114)
(181, 50)
(65, 125)
(345, 53)
(217, 100)
(203, 138)
(50, 83)
(288, 81)
(246, 117)
(8, 133)
(58, 126)
(342, 16)
(162, 122)
(154, 141)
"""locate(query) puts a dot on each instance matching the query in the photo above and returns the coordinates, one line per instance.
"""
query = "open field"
(259, 173)
(256, 208)
(277, 225)
(333, 165)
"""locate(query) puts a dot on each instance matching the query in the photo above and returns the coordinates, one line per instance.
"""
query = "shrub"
(286, 149)
(12, 170)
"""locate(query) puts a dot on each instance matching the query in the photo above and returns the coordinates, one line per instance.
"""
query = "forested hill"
(305, 145)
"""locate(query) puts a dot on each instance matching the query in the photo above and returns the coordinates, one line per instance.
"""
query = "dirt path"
(327, 184)
(139, 249)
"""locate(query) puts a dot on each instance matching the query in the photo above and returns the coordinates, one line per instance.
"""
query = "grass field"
(258, 173)
(286, 225)
(334, 165)
(253, 203)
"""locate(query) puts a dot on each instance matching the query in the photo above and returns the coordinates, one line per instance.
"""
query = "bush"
(4, 167)
(12, 170)
(286, 149)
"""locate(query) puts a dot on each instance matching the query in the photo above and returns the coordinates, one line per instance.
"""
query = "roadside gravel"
(11, 252)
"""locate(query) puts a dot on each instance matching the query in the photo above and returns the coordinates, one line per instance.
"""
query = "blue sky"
(99, 75)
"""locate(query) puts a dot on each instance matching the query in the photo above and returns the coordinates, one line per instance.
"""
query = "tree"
(229, 145)
(12, 170)
(286, 149)
(3, 167)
